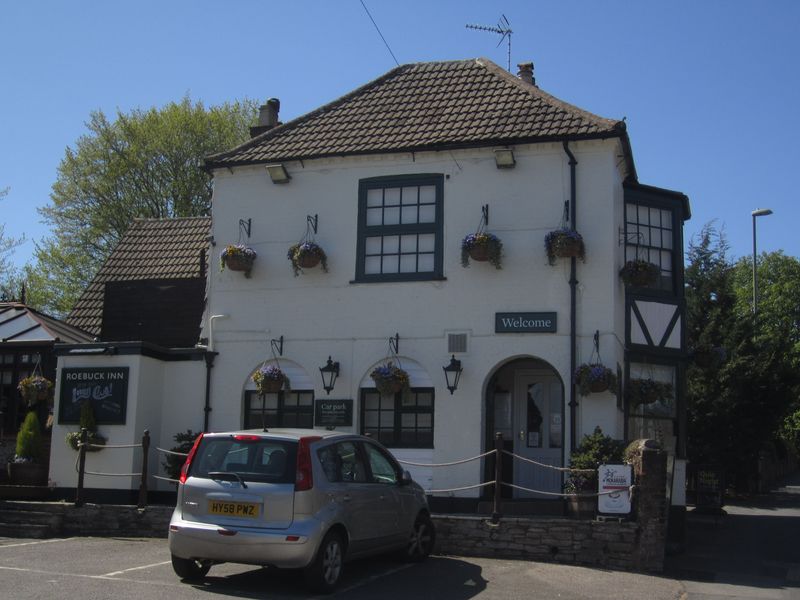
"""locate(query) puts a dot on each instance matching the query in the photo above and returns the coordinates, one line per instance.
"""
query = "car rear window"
(258, 459)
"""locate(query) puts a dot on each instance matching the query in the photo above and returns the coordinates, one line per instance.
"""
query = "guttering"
(209, 356)
(573, 286)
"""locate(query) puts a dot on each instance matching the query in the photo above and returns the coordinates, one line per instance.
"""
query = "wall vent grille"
(456, 342)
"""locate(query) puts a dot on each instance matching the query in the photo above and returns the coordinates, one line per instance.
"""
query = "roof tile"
(425, 106)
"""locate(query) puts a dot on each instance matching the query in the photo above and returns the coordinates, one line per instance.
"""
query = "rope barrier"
(449, 464)
(468, 487)
(166, 478)
(565, 495)
(172, 452)
(112, 474)
(100, 446)
(538, 464)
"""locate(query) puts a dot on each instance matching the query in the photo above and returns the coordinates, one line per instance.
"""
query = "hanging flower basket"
(307, 255)
(641, 392)
(564, 243)
(390, 379)
(595, 378)
(35, 389)
(270, 380)
(639, 273)
(482, 247)
(237, 257)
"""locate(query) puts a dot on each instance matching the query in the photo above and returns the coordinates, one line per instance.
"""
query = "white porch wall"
(323, 314)
(158, 396)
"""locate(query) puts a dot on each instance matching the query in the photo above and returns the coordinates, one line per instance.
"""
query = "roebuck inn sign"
(105, 387)
(525, 322)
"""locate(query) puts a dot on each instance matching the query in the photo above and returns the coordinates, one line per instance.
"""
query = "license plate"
(233, 509)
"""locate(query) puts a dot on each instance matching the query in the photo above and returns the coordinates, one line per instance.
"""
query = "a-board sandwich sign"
(613, 486)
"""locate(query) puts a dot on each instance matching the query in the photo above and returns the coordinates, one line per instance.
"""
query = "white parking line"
(115, 573)
(34, 543)
(366, 580)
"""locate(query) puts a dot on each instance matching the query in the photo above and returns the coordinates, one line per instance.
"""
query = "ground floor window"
(651, 394)
(284, 409)
(402, 420)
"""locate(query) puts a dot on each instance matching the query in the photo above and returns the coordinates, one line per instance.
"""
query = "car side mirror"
(405, 478)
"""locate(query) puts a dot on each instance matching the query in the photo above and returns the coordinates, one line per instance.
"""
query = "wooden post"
(143, 482)
(498, 475)
(81, 465)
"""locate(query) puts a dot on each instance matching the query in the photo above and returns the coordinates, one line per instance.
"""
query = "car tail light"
(304, 479)
(185, 468)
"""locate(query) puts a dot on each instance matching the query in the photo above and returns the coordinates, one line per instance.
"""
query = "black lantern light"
(329, 374)
(452, 373)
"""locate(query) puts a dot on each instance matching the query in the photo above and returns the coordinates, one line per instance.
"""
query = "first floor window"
(650, 235)
(402, 420)
(284, 409)
(400, 228)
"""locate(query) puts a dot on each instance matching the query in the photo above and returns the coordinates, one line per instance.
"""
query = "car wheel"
(324, 573)
(422, 539)
(189, 569)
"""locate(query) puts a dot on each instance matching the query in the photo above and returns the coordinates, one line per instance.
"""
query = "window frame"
(280, 411)
(436, 228)
(630, 248)
(397, 422)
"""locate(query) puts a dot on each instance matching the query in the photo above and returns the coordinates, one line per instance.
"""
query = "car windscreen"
(253, 458)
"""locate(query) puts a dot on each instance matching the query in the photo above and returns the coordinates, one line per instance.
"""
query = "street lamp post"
(759, 212)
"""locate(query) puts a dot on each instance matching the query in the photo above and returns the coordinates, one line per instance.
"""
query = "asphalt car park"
(140, 569)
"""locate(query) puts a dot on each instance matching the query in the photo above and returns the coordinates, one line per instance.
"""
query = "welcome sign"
(525, 322)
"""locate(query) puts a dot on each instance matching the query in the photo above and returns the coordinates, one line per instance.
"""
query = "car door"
(393, 506)
(357, 498)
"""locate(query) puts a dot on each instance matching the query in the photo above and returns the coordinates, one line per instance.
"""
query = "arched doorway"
(525, 403)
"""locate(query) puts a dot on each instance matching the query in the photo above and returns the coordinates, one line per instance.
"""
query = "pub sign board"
(105, 387)
(333, 412)
(525, 322)
(613, 486)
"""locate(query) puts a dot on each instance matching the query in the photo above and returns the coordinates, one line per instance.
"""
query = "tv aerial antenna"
(503, 29)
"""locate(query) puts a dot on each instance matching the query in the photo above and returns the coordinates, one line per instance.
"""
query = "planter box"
(27, 474)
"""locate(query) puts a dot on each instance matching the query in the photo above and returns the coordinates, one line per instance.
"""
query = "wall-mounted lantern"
(452, 373)
(329, 374)
(504, 158)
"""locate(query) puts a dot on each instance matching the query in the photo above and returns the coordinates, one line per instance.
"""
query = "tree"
(146, 163)
(7, 246)
(738, 400)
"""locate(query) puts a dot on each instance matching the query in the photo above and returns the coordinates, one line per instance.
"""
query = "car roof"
(287, 433)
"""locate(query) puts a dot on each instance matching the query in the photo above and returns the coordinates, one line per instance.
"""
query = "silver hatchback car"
(294, 498)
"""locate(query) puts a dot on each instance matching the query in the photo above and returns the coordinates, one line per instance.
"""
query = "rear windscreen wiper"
(227, 476)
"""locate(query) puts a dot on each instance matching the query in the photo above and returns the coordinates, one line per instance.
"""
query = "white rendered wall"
(323, 314)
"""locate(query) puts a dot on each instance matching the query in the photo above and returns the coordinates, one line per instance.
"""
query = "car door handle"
(346, 498)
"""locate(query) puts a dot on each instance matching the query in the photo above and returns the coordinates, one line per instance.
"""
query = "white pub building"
(389, 180)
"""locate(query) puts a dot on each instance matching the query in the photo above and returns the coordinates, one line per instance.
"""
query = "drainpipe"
(573, 288)
(209, 356)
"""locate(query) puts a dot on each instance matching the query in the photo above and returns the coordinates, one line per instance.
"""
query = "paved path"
(751, 552)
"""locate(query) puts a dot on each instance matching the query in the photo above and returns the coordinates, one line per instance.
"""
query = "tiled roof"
(426, 106)
(150, 249)
(19, 323)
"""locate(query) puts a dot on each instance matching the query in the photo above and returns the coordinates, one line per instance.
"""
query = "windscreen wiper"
(228, 476)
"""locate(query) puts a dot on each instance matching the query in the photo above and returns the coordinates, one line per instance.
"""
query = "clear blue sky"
(709, 88)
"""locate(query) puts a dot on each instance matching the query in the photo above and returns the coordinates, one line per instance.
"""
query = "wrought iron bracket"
(277, 346)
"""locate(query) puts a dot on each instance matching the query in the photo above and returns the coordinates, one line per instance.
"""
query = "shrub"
(594, 450)
(29, 440)
(172, 462)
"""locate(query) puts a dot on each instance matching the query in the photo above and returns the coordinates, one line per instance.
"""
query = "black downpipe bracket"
(209, 356)
(573, 288)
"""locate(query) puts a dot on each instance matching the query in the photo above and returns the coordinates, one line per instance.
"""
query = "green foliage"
(87, 422)
(143, 164)
(172, 464)
(594, 450)
(737, 404)
(9, 287)
(790, 428)
(29, 439)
